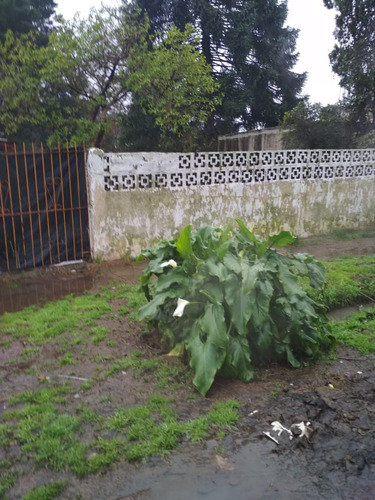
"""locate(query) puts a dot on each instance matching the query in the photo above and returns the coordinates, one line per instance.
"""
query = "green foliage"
(349, 280)
(7, 480)
(174, 83)
(46, 492)
(313, 126)
(358, 331)
(251, 53)
(353, 60)
(54, 318)
(67, 91)
(238, 301)
(165, 375)
(22, 16)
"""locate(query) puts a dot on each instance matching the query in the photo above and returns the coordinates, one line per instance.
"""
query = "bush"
(231, 300)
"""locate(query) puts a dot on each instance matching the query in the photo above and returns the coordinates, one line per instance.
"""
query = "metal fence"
(43, 207)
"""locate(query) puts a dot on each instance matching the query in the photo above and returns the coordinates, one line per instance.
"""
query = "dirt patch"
(336, 396)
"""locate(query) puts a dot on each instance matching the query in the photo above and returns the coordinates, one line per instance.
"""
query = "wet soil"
(337, 397)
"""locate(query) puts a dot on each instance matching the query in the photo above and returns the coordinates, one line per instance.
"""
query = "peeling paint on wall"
(138, 199)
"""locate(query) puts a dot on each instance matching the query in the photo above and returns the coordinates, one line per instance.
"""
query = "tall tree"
(75, 88)
(22, 16)
(353, 58)
(313, 126)
(250, 51)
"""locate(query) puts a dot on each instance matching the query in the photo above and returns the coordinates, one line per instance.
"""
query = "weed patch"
(52, 437)
(358, 331)
(349, 280)
(46, 492)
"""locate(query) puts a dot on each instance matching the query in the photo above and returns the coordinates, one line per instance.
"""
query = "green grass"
(7, 480)
(349, 280)
(39, 325)
(46, 492)
(165, 374)
(351, 234)
(52, 438)
(357, 331)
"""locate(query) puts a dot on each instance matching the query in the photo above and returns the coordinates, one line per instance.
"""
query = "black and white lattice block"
(185, 160)
(200, 160)
(214, 160)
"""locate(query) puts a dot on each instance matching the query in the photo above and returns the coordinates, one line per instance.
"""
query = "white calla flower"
(179, 311)
(170, 262)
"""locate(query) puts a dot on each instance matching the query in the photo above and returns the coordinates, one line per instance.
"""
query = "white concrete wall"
(137, 199)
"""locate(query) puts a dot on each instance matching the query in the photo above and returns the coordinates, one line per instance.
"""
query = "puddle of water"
(36, 287)
(344, 313)
(253, 472)
(18, 294)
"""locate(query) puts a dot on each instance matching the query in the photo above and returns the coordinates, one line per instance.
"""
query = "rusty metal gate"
(43, 207)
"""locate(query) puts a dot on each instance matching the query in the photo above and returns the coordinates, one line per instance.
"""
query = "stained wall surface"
(138, 199)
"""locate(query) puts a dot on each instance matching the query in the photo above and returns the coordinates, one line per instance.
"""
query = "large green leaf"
(250, 273)
(289, 281)
(214, 268)
(240, 304)
(205, 360)
(246, 232)
(213, 325)
(213, 291)
(207, 347)
(170, 279)
(150, 309)
(238, 362)
(232, 263)
(183, 244)
(316, 274)
(281, 239)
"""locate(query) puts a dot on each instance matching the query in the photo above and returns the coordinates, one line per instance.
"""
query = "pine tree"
(22, 16)
(250, 50)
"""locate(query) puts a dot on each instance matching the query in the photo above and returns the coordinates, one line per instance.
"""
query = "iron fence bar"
(20, 205)
(4, 225)
(43, 211)
(71, 201)
(11, 207)
(29, 204)
(63, 202)
(46, 201)
(55, 204)
(38, 207)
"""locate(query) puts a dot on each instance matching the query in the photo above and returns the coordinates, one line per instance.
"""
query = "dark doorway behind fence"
(43, 207)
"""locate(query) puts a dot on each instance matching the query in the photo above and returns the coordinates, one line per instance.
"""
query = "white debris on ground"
(297, 430)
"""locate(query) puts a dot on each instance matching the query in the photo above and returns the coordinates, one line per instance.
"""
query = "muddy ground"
(336, 396)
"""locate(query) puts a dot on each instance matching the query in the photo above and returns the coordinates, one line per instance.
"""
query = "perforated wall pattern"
(201, 169)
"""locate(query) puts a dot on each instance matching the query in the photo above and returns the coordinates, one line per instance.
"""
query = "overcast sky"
(315, 41)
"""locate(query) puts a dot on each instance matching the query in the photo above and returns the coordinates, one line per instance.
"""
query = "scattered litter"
(73, 377)
(302, 429)
(298, 430)
(77, 396)
(359, 373)
(341, 361)
(271, 437)
(253, 413)
(279, 428)
(124, 373)
(330, 386)
(68, 263)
